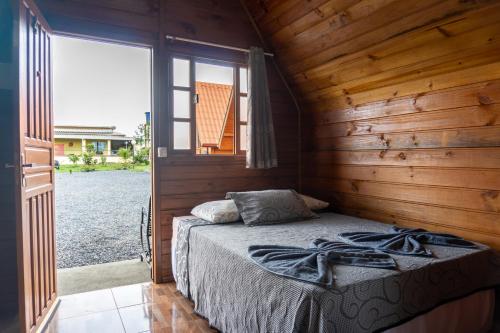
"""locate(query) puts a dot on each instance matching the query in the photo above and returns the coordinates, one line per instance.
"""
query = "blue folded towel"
(406, 241)
(313, 264)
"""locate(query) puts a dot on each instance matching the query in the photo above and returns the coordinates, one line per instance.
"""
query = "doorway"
(102, 144)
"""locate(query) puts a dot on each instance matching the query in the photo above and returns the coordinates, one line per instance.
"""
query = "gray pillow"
(270, 206)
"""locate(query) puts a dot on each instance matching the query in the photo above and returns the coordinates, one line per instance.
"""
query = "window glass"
(215, 109)
(243, 80)
(243, 108)
(182, 135)
(181, 72)
(243, 137)
(181, 104)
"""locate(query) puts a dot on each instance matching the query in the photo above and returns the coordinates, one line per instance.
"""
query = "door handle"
(8, 166)
(27, 165)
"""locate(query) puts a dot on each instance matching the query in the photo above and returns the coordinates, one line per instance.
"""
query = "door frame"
(153, 47)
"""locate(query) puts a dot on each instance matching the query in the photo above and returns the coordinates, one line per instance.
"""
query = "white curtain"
(261, 143)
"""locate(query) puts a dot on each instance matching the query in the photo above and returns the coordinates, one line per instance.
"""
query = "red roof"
(211, 112)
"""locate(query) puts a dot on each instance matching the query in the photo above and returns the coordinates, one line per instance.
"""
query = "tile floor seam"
(121, 320)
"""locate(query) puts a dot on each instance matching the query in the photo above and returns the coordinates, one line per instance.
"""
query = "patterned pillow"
(221, 211)
(313, 203)
(270, 207)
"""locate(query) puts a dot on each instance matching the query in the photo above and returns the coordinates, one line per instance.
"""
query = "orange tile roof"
(211, 112)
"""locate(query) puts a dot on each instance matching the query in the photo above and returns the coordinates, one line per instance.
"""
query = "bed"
(212, 267)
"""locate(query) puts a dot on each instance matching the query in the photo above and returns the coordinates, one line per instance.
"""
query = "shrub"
(125, 154)
(74, 158)
(142, 156)
(88, 159)
(103, 160)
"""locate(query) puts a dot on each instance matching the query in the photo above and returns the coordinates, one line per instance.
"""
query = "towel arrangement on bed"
(404, 241)
(312, 264)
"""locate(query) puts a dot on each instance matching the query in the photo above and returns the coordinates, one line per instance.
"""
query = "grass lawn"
(105, 167)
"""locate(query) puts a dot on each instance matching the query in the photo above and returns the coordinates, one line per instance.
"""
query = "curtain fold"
(261, 143)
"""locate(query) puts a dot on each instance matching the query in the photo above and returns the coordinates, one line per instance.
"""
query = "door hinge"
(196, 98)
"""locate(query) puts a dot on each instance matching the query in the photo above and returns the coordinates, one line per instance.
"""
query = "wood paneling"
(182, 182)
(400, 103)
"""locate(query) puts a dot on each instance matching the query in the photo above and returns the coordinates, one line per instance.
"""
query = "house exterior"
(74, 139)
(215, 118)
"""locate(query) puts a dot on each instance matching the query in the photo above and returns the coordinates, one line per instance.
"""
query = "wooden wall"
(400, 105)
(188, 181)
(184, 181)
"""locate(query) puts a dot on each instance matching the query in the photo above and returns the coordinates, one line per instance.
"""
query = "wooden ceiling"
(340, 54)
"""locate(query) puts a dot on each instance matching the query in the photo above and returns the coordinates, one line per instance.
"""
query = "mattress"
(236, 295)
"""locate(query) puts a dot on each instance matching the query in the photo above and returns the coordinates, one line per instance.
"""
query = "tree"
(74, 158)
(142, 135)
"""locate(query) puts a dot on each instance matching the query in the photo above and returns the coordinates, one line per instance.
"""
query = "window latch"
(196, 98)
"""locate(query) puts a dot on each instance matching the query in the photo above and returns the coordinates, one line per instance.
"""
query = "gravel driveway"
(97, 216)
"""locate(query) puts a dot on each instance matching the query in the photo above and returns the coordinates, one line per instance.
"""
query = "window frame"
(192, 105)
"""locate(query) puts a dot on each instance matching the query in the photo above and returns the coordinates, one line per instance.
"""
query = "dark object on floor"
(146, 234)
(313, 264)
(406, 241)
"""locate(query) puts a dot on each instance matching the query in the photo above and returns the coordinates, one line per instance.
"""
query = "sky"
(100, 84)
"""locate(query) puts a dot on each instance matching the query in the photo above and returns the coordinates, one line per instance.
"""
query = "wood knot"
(354, 187)
(492, 194)
(382, 153)
(318, 12)
(402, 156)
(443, 32)
(372, 57)
(343, 18)
(449, 154)
(484, 100)
(348, 100)
(395, 93)
(430, 85)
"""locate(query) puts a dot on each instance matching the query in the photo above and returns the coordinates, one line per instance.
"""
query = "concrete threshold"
(94, 277)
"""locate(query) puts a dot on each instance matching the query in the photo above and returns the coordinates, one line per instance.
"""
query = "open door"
(35, 225)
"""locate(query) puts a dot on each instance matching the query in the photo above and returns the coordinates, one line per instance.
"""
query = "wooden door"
(36, 241)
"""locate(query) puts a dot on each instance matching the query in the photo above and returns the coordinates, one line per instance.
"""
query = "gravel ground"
(97, 216)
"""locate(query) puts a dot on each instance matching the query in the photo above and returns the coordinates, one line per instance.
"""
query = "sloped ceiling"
(336, 52)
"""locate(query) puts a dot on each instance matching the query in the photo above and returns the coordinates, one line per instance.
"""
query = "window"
(208, 106)
(243, 96)
(99, 147)
(181, 104)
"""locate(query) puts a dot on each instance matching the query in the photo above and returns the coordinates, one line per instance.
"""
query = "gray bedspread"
(236, 295)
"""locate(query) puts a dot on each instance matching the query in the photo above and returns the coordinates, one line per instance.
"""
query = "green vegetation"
(104, 167)
(89, 162)
(142, 156)
(125, 154)
(74, 158)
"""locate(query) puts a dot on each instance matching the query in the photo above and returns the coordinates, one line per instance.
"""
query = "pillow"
(270, 207)
(221, 211)
(313, 203)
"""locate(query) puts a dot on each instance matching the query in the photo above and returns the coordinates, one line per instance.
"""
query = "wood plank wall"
(186, 181)
(400, 103)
